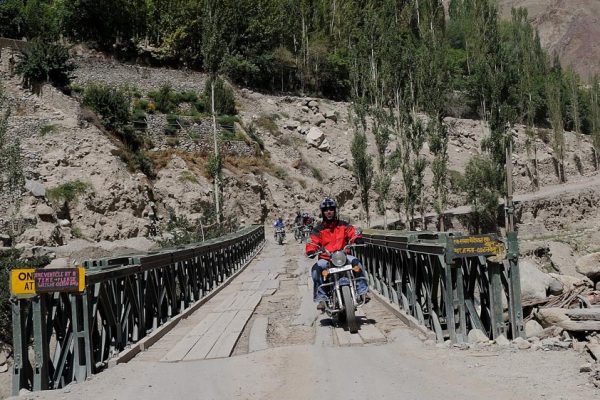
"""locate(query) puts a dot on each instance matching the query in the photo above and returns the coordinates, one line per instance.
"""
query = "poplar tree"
(212, 52)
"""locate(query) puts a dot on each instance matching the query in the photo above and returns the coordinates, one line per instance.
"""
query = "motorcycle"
(297, 233)
(279, 235)
(340, 288)
(305, 233)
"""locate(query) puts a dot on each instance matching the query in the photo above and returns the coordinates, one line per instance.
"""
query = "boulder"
(502, 341)
(45, 212)
(561, 256)
(551, 316)
(330, 115)
(589, 265)
(324, 146)
(319, 119)
(303, 129)
(477, 336)
(534, 283)
(521, 343)
(571, 282)
(59, 263)
(313, 104)
(315, 137)
(35, 188)
(533, 328)
(291, 124)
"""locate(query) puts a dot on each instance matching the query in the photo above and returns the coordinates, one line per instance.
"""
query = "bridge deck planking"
(216, 335)
(323, 332)
(224, 345)
(201, 349)
(369, 333)
(258, 334)
(225, 304)
(345, 338)
(180, 350)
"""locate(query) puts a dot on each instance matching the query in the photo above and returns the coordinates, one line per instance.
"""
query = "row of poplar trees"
(396, 60)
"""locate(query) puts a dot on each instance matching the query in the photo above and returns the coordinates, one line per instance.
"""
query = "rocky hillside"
(306, 156)
(569, 28)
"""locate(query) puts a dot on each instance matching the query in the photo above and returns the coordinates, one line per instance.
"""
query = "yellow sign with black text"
(22, 281)
(475, 245)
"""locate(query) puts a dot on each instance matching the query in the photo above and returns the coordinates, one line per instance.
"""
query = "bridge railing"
(447, 292)
(63, 337)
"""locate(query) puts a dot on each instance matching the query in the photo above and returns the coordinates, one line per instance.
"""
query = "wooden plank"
(240, 301)
(371, 334)
(252, 302)
(269, 284)
(345, 338)
(183, 347)
(224, 345)
(324, 332)
(307, 312)
(368, 332)
(251, 286)
(225, 304)
(258, 334)
(208, 340)
(584, 314)
(579, 326)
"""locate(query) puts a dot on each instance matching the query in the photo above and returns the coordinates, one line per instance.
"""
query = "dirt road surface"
(284, 349)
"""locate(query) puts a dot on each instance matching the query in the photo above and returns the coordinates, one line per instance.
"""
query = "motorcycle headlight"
(338, 258)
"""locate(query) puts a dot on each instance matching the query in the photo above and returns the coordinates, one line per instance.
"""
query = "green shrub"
(316, 173)
(224, 97)
(187, 176)
(200, 106)
(139, 120)
(279, 172)
(45, 62)
(170, 130)
(111, 104)
(75, 88)
(76, 232)
(145, 164)
(67, 192)
(187, 96)
(228, 122)
(240, 70)
(268, 123)
(165, 99)
(46, 129)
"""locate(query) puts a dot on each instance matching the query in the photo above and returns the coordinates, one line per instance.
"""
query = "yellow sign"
(22, 281)
(477, 245)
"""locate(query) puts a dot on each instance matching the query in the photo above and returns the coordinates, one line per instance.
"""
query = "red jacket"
(333, 236)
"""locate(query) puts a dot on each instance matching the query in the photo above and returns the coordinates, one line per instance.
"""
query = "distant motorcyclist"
(332, 234)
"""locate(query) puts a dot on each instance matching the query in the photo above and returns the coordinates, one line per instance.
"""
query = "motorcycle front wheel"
(280, 239)
(349, 310)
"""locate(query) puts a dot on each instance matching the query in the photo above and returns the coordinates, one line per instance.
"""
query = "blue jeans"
(316, 272)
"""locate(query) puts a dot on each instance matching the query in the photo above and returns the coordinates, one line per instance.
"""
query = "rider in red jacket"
(332, 234)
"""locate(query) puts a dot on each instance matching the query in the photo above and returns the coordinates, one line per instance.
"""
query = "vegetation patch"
(268, 124)
(48, 129)
(67, 192)
(187, 176)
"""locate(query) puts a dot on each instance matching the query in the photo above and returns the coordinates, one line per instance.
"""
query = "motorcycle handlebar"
(348, 246)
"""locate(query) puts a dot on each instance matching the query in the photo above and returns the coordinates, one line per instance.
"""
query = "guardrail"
(446, 286)
(63, 337)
